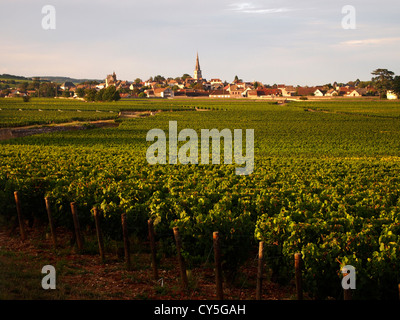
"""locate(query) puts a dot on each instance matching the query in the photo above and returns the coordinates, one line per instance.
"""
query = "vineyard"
(325, 184)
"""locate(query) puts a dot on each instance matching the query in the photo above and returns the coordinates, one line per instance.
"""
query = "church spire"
(197, 63)
(197, 71)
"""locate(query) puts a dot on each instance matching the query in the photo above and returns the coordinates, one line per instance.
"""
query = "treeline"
(12, 77)
(385, 80)
(106, 94)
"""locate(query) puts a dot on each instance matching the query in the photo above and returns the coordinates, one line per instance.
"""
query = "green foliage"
(383, 80)
(325, 184)
(90, 94)
(80, 92)
(396, 85)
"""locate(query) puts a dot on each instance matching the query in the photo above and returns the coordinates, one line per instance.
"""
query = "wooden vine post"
(260, 270)
(218, 269)
(298, 267)
(126, 241)
(347, 296)
(20, 219)
(99, 233)
(78, 234)
(399, 290)
(153, 248)
(181, 262)
(51, 223)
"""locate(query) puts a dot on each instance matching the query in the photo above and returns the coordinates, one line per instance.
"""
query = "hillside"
(61, 79)
(58, 79)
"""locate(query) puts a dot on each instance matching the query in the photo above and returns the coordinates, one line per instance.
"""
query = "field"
(325, 183)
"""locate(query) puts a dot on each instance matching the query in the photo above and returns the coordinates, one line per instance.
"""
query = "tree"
(159, 79)
(106, 94)
(99, 95)
(364, 84)
(197, 85)
(23, 86)
(382, 81)
(80, 92)
(236, 80)
(116, 96)
(46, 89)
(111, 94)
(90, 94)
(396, 85)
(185, 76)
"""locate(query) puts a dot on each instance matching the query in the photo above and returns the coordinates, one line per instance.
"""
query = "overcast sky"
(285, 42)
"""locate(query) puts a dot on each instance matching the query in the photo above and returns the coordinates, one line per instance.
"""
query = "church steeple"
(197, 63)
(197, 71)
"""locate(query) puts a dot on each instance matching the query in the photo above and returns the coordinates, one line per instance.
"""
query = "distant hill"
(7, 76)
(58, 79)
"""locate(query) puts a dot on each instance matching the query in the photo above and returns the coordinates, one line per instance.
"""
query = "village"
(192, 87)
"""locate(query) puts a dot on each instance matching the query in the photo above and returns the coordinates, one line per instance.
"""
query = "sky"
(288, 42)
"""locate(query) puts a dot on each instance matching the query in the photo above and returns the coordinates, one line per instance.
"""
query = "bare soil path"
(18, 132)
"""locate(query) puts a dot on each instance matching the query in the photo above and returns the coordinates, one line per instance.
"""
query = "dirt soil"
(18, 132)
(83, 276)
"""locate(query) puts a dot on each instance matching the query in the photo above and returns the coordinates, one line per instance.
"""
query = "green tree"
(237, 79)
(159, 79)
(100, 95)
(23, 86)
(111, 94)
(80, 92)
(90, 94)
(382, 81)
(47, 89)
(396, 85)
(197, 85)
(185, 76)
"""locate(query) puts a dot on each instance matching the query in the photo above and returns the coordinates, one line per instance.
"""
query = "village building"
(163, 92)
(345, 91)
(390, 95)
(111, 79)
(319, 93)
(68, 85)
(288, 91)
(219, 94)
(331, 93)
(149, 93)
(304, 91)
(358, 93)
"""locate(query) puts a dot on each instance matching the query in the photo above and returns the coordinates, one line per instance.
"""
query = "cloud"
(246, 7)
(364, 42)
